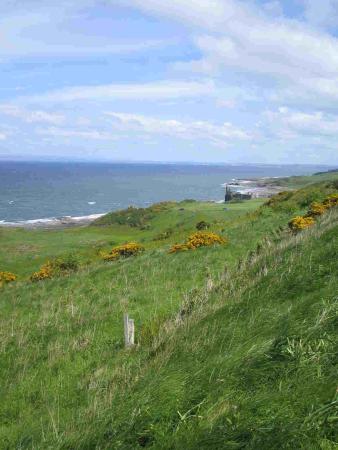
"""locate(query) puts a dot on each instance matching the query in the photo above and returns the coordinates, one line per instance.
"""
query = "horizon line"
(215, 163)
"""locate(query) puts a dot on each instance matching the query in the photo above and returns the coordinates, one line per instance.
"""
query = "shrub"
(199, 239)
(56, 267)
(331, 201)
(300, 223)
(124, 251)
(45, 272)
(68, 263)
(178, 248)
(202, 239)
(202, 225)
(6, 277)
(316, 209)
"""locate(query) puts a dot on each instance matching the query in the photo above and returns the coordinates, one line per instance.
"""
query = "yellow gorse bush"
(316, 209)
(331, 201)
(46, 271)
(7, 277)
(56, 267)
(124, 251)
(199, 239)
(300, 223)
(178, 248)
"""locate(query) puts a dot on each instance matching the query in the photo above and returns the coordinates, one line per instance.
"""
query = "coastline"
(52, 222)
(259, 188)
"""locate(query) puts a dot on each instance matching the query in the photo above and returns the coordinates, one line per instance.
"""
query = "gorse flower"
(316, 209)
(199, 239)
(124, 251)
(45, 272)
(300, 223)
(178, 248)
(56, 267)
(331, 201)
(6, 277)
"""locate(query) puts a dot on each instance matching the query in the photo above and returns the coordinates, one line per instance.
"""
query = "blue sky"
(179, 80)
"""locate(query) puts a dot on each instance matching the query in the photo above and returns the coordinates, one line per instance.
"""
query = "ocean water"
(31, 190)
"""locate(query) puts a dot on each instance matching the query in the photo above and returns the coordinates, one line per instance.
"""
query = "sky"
(181, 80)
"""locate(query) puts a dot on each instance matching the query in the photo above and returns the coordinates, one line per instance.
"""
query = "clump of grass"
(7, 277)
(199, 239)
(124, 251)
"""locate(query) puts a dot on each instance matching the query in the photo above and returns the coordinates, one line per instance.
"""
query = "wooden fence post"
(129, 331)
(210, 284)
(131, 334)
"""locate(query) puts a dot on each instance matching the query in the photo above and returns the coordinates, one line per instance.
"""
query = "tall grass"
(228, 355)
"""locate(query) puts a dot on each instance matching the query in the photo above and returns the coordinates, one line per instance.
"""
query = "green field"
(23, 251)
(297, 182)
(236, 345)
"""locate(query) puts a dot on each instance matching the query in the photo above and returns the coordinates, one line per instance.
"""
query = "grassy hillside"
(236, 344)
(23, 251)
(255, 366)
(302, 181)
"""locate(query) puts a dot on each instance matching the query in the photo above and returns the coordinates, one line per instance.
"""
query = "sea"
(31, 191)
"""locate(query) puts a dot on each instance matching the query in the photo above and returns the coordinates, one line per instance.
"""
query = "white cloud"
(70, 133)
(31, 116)
(183, 130)
(250, 57)
(290, 51)
(3, 136)
(299, 123)
(148, 91)
(123, 126)
(230, 34)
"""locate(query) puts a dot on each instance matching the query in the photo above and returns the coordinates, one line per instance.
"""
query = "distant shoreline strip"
(52, 221)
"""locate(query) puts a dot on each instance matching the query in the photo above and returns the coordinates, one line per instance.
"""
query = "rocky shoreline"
(258, 188)
(52, 223)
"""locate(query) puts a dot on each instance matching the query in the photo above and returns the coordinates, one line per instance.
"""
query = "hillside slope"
(254, 366)
(236, 345)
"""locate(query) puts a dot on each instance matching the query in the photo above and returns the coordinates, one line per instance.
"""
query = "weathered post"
(210, 284)
(129, 331)
(126, 334)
